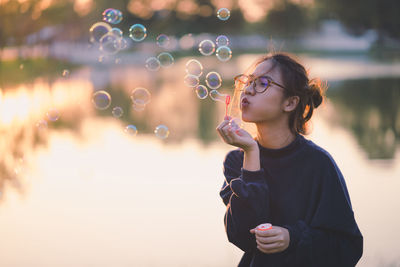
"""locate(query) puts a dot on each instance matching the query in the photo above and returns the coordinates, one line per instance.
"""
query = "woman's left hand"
(272, 241)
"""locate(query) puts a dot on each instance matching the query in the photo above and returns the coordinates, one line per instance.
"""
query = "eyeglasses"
(260, 83)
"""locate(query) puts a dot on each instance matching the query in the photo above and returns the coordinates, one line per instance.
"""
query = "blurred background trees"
(280, 18)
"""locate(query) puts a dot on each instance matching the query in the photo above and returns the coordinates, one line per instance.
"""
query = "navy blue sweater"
(299, 187)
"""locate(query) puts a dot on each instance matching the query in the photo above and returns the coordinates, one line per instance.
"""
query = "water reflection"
(370, 109)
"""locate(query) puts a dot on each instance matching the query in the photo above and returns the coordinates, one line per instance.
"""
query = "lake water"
(84, 193)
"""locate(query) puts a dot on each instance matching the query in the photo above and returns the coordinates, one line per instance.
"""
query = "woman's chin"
(246, 118)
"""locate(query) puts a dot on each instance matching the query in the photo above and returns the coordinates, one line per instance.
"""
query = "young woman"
(282, 178)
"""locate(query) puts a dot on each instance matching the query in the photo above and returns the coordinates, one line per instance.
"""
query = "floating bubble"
(101, 100)
(138, 107)
(201, 91)
(166, 59)
(213, 80)
(121, 44)
(191, 80)
(137, 32)
(117, 112)
(217, 96)
(224, 53)
(223, 14)
(53, 114)
(222, 40)
(206, 47)
(152, 64)
(109, 44)
(42, 125)
(140, 96)
(113, 16)
(98, 30)
(65, 73)
(131, 130)
(162, 40)
(161, 131)
(194, 67)
(117, 32)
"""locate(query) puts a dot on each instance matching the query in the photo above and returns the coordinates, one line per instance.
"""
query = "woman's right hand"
(236, 137)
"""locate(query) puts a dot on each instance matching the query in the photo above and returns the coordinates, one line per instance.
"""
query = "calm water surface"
(84, 193)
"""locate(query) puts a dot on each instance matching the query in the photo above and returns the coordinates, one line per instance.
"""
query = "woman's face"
(267, 106)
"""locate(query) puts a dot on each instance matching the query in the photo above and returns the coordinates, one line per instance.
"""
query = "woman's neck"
(274, 137)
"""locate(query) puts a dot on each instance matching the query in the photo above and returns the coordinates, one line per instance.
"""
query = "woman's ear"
(291, 103)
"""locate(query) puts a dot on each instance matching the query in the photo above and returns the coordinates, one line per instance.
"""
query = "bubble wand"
(227, 101)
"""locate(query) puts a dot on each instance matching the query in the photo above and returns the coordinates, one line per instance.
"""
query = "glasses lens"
(262, 84)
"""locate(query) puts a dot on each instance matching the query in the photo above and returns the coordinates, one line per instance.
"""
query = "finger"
(252, 230)
(222, 124)
(268, 246)
(266, 233)
(269, 240)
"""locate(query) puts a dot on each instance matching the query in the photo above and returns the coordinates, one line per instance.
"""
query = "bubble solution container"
(264, 227)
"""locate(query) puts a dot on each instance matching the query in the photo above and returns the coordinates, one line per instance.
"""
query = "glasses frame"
(252, 78)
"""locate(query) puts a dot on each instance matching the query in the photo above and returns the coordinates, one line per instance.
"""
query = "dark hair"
(296, 82)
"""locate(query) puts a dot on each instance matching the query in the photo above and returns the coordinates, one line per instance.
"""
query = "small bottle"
(264, 227)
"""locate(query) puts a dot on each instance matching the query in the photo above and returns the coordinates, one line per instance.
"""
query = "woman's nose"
(249, 90)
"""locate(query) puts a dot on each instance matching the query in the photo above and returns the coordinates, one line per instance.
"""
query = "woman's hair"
(296, 82)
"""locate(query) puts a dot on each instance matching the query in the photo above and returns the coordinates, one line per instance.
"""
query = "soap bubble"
(152, 64)
(162, 40)
(224, 53)
(140, 96)
(206, 47)
(191, 80)
(113, 16)
(42, 125)
(65, 73)
(137, 32)
(53, 114)
(161, 131)
(138, 107)
(98, 30)
(222, 40)
(109, 43)
(201, 91)
(117, 32)
(194, 67)
(131, 130)
(166, 59)
(217, 96)
(213, 80)
(117, 112)
(101, 100)
(223, 14)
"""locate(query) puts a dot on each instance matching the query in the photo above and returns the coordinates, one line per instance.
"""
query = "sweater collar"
(280, 152)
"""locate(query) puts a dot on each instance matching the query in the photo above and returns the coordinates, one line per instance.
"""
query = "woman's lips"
(244, 103)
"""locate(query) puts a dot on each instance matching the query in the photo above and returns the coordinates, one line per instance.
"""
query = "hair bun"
(315, 89)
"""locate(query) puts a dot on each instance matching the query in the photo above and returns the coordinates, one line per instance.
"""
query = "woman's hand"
(233, 135)
(272, 241)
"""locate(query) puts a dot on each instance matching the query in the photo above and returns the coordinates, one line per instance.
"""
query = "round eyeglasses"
(260, 83)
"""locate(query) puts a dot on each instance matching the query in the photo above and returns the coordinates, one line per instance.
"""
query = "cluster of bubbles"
(223, 52)
(111, 41)
(213, 80)
(163, 59)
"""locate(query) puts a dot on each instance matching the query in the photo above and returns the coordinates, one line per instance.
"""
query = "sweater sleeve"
(333, 237)
(245, 193)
